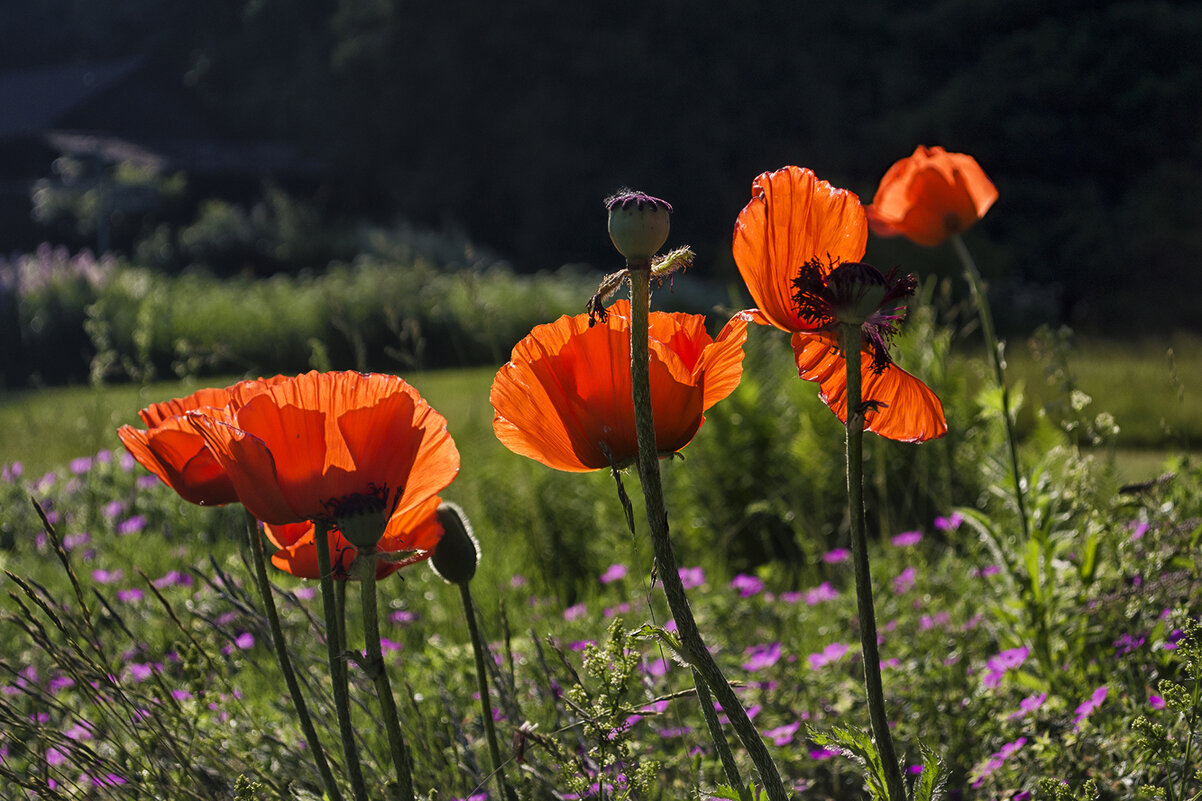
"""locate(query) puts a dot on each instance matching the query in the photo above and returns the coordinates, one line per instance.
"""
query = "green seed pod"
(457, 553)
(638, 224)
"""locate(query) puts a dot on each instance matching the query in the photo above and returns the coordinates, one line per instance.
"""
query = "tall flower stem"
(657, 517)
(342, 704)
(373, 665)
(281, 654)
(973, 276)
(490, 732)
(849, 336)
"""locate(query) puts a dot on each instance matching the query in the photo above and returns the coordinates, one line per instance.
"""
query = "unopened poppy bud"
(457, 553)
(638, 224)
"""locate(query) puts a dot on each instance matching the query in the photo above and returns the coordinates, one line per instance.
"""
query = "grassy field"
(1153, 390)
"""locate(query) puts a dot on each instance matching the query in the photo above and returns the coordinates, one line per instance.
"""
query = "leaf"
(1089, 558)
(857, 745)
(932, 781)
(1032, 559)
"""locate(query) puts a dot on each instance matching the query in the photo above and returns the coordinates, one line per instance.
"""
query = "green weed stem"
(337, 664)
(281, 653)
(374, 667)
(850, 342)
(973, 276)
(657, 517)
(479, 648)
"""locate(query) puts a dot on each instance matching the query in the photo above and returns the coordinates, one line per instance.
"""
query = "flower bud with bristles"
(458, 552)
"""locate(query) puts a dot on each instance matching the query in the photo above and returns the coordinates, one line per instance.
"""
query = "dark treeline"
(513, 120)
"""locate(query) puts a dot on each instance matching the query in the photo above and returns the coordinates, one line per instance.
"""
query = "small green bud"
(457, 553)
(638, 224)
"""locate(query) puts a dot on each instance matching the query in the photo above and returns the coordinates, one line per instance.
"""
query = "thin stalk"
(719, 737)
(342, 704)
(850, 342)
(490, 732)
(373, 666)
(281, 655)
(973, 276)
(657, 517)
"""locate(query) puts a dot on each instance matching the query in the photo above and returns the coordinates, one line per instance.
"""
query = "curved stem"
(657, 517)
(281, 654)
(374, 667)
(973, 277)
(849, 336)
(490, 732)
(342, 703)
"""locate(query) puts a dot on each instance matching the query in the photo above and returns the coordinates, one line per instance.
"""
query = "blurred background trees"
(511, 121)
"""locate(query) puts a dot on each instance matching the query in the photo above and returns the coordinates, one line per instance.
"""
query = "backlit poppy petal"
(250, 466)
(906, 409)
(720, 367)
(793, 218)
(174, 452)
(566, 389)
(416, 530)
(930, 195)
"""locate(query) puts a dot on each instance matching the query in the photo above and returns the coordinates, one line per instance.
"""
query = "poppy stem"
(281, 654)
(342, 703)
(694, 647)
(374, 667)
(850, 336)
(480, 649)
(996, 349)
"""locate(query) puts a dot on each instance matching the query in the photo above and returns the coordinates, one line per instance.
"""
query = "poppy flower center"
(363, 516)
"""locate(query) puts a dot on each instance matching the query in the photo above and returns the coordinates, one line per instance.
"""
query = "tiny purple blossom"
(81, 465)
(1086, 709)
(245, 641)
(127, 461)
(691, 577)
(402, 616)
(146, 482)
(101, 576)
(747, 585)
(1138, 529)
(1156, 702)
(129, 595)
(762, 656)
(998, 665)
(112, 509)
(131, 525)
(613, 573)
(950, 523)
(575, 612)
(823, 592)
(836, 556)
(829, 654)
(783, 735)
(906, 539)
(904, 581)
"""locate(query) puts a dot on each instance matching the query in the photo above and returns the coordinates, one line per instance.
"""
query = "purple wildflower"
(245, 641)
(823, 592)
(829, 654)
(112, 509)
(747, 585)
(1156, 702)
(1086, 709)
(1127, 643)
(402, 616)
(904, 581)
(783, 735)
(836, 556)
(691, 577)
(906, 539)
(575, 612)
(950, 523)
(997, 666)
(146, 482)
(131, 525)
(823, 753)
(996, 760)
(101, 576)
(762, 656)
(613, 573)
(129, 595)
(81, 465)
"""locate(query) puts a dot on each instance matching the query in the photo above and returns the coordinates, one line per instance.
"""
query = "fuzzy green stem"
(281, 654)
(373, 666)
(729, 767)
(695, 652)
(490, 732)
(342, 704)
(849, 336)
(973, 276)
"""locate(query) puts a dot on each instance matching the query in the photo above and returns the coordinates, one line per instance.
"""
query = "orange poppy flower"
(172, 450)
(930, 196)
(565, 396)
(410, 537)
(797, 245)
(353, 449)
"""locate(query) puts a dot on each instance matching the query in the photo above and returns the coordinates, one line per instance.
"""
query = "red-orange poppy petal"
(720, 368)
(175, 453)
(794, 217)
(566, 390)
(907, 410)
(417, 530)
(401, 441)
(930, 195)
(157, 413)
(251, 468)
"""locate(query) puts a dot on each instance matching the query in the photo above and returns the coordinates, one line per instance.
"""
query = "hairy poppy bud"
(457, 553)
(638, 224)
